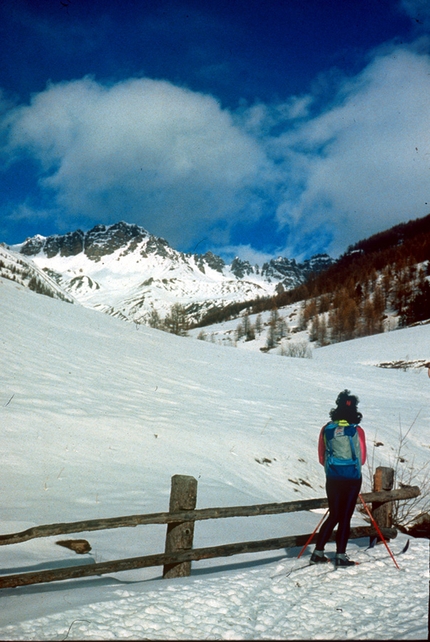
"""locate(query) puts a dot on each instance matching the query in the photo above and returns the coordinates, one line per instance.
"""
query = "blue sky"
(257, 128)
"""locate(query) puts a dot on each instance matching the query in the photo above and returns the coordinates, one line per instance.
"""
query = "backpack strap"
(351, 443)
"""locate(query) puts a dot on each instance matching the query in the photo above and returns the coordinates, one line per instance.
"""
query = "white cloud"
(364, 164)
(143, 150)
(173, 161)
(245, 253)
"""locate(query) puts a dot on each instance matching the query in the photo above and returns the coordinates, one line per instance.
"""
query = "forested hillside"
(379, 284)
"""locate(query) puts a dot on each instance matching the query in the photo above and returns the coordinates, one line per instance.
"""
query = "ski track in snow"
(371, 601)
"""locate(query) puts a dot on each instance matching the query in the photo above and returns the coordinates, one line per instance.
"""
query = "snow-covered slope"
(125, 271)
(22, 270)
(97, 415)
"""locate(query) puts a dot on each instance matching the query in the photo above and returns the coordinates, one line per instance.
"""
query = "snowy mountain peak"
(123, 270)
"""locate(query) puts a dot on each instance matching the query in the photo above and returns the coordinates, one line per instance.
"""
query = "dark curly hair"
(346, 408)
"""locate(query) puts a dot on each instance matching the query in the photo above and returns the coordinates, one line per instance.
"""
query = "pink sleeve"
(362, 439)
(321, 447)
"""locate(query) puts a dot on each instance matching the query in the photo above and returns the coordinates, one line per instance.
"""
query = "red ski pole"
(378, 530)
(312, 536)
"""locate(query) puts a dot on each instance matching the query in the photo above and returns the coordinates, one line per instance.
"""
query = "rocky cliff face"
(98, 242)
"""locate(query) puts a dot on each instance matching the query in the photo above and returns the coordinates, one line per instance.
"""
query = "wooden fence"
(180, 521)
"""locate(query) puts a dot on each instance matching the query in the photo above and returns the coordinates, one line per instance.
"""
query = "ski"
(329, 566)
(325, 567)
(405, 548)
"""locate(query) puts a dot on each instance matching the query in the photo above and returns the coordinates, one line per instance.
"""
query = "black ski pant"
(342, 497)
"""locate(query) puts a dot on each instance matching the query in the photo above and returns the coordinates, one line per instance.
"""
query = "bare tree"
(176, 321)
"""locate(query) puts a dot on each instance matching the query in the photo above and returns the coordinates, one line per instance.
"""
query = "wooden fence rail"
(180, 520)
(173, 559)
(67, 528)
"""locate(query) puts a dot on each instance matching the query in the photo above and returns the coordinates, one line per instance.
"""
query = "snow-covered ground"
(98, 414)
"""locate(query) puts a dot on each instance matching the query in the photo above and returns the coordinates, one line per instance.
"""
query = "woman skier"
(342, 452)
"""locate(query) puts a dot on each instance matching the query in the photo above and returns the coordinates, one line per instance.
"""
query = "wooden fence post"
(383, 479)
(179, 536)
